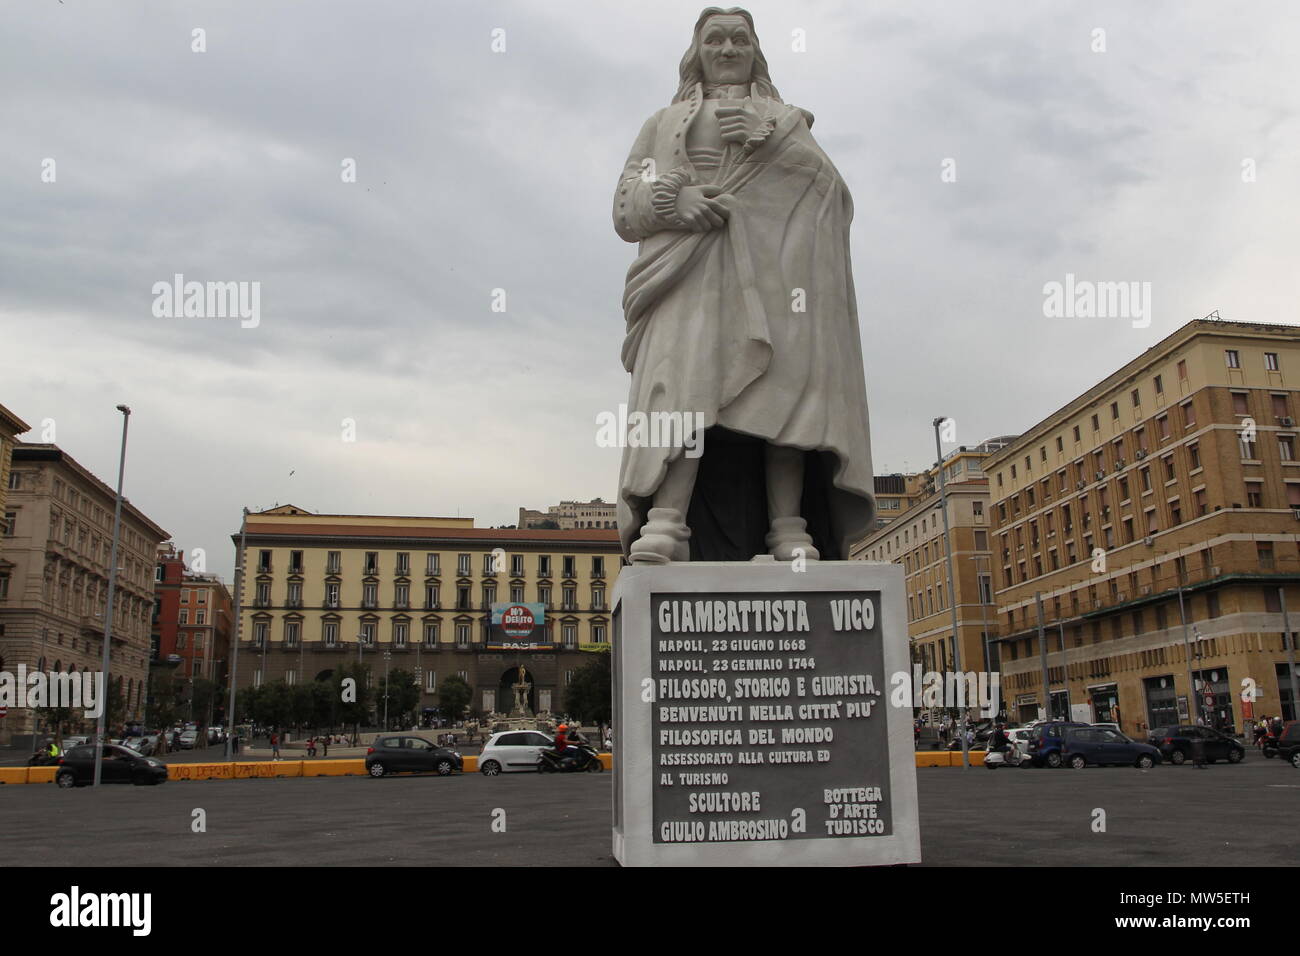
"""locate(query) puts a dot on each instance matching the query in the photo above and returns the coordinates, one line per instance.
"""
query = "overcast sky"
(480, 170)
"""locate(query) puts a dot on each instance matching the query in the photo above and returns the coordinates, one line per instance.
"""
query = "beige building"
(915, 539)
(322, 589)
(58, 538)
(11, 426)
(568, 515)
(897, 493)
(1168, 492)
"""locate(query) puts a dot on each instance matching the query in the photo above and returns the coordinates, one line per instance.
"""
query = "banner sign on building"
(518, 627)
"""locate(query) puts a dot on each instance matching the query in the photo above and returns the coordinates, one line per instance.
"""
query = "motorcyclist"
(52, 750)
(561, 739)
(999, 740)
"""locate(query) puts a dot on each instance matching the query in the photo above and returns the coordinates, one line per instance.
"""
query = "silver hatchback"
(513, 750)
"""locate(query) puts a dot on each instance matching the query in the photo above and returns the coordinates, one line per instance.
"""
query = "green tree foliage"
(589, 696)
(402, 694)
(453, 697)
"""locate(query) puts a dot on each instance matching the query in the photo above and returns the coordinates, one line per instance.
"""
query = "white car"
(1019, 737)
(513, 750)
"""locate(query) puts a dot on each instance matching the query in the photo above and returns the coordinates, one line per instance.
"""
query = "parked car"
(513, 750)
(1175, 743)
(1100, 746)
(121, 765)
(139, 744)
(1019, 737)
(188, 739)
(1288, 745)
(1045, 740)
(77, 741)
(403, 754)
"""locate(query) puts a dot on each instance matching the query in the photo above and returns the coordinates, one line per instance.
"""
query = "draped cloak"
(752, 325)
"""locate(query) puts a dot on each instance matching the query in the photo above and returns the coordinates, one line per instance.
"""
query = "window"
(1201, 506)
(331, 595)
(1240, 403)
(295, 562)
(489, 563)
(330, 633)
(462, 597)
(462, 564)
(1060, 443)
(259, 632)
(1247, 448)
(400, 631)
(369, 594)
(598, 633)
(180, 641)
(291, 630)
(570, 635)
(367, 635)
(403, 563)
(544, 565)
(1159, 384)
(1137, 398)
(372, 562)
(517, 565)
(264, 561)
(1194, 455)
(544, 595)
(185, 616)
(1270, 361)
(977, 509)
(598, 567)
(1279, 406)
(1286, 447)
(401, 595)
(1169, 468)
(1182, 370)
(1233, 359)
(431, 565)
(1254, 494)
(570, 566)
(1114, 411)
(431, 632)
(334, 562)
(201, 617)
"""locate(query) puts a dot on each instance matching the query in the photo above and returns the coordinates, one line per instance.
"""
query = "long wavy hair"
(691, 70)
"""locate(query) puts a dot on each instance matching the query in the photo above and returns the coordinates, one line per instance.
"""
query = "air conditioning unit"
(1141, 453)
(1100, 475)
(1148, 541)
(1288, 422)
(1215, 571)
(1080, 484)
(1296, 512)
(1146, 589)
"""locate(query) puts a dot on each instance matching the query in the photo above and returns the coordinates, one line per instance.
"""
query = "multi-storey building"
(52, 599)
(896, 493)
(322, 589)
(915, 539)
(568, 515)
(192, 620)
(11, 426)
(1156, 517)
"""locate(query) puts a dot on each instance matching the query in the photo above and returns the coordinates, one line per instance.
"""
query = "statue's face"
(726, 50)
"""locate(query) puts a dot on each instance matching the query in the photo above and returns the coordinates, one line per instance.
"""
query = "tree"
(402, 694)
(454, 696)
(590, 694)
(162, 707)
(302, 705)
(352, 699)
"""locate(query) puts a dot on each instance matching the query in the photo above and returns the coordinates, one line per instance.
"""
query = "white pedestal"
(752, 706)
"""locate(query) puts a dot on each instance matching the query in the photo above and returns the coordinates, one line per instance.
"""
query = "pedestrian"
(275, 746)
(311, 746)
(1198, 751)
(325, 745)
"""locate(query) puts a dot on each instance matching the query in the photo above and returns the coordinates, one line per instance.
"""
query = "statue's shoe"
(664, 537)
(789, 539)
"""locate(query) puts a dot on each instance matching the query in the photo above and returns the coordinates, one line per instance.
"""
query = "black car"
(403, 754)
(1046, 740)
(76, 768)
(1100, 746)
(1288, 745)
(1175, 744)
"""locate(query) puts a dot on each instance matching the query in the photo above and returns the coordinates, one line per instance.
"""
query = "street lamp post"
(952, 594)
(239, 625)
(108, 613)
(388, 656)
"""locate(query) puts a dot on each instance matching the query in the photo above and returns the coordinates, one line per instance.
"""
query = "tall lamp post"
(239, 625)
(388, 656)
(108, 613)
(952, 595)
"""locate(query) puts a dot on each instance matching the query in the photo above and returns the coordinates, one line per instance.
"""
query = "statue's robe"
(714, 327)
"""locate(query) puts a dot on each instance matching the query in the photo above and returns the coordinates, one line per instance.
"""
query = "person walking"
(275, 746)
(325, 745)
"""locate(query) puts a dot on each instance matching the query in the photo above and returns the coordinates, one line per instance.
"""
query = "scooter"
(42, 759)
(584, 760)
(1010, 756)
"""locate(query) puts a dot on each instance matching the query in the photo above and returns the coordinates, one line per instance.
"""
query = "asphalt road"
(1222, 816)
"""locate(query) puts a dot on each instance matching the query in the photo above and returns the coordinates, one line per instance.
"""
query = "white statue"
(740, 310)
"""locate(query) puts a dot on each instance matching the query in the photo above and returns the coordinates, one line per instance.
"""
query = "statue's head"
(724, 49)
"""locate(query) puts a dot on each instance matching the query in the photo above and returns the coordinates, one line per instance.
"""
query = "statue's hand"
(736, 123)
(698, 210)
